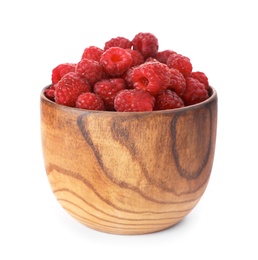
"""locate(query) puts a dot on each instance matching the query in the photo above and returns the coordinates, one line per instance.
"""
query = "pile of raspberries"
(128, 76)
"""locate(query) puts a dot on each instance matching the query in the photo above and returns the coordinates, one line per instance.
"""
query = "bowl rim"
(212, 97)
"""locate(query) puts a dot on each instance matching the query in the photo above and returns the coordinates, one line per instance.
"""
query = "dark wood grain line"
(77, 176)
(127, 225)
(133, 212)
(121, 135)
(183, 173)
(147, 221)
(122, 184)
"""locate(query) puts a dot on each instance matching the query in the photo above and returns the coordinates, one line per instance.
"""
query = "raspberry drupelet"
(115, 61)
(92, 53)
(59, 71)
(177, 82)
(133, 100)
(195, 92)
(137, 57)
(201, 76)
(146, 43)
(90, 101)
(181, 63)
(91, 70)
(107, 89)
(168, 99)
(153, 77)
(50, 92)
(121, 42)
(162, 56)
(69, 88)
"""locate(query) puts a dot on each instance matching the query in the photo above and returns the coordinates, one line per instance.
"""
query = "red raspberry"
(118, 42)
(90, 101)
(146, 43)
(181, 63)
(201, 77)
(92, 53)
(50, 92)
(177, 82)
(168, 99)
(59, 71)
(153, 77)
(136, 69)
(162, 56)
(116, 61)
(137, 57)
(151, 59)
(127, 77)
(133, 100)
(69, 88)
(107, 90)
(91, 70)
(195, 92)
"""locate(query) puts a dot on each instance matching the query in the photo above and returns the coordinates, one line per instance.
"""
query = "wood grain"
(129, 173)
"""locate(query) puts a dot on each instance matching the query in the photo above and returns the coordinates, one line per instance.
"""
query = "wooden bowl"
(129, 172)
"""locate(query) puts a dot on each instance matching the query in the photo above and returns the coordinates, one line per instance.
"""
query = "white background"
(220, 38)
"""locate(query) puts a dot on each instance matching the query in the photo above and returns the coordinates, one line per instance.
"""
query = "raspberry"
(162, 56)
(118, 42)
(89, 101)
(153, 77)
(50, 92)
(69, 88)
(127, 77)
(180, 62)
(146, 43)
(91, 70)
(168, 99)
(116, 61)
(195, 92)
(201, 77)
(92, 53)
(107, 90)
(59, 71)
(125, 73)
(177, 82)
(137, 57)
(151, 59)
(133, 100)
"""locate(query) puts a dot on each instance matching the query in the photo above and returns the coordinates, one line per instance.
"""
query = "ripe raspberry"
(195, 92)
(146, 43)
(118, 42)
(133, 100)
(50, 92)
(168, 99)
(177, 82)
(91, 70)
(181, 63)
(162, 56)
(136, 66)
(127, 77)
(151, 59)
(92, 53)
(69, 88)
(90, 101)
(115, 61)
(137, 57)
(201, 77)
(59, 71)
(153, 77)
(107, 90)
